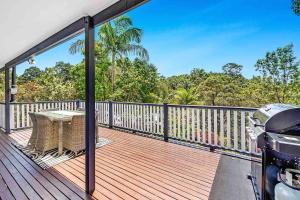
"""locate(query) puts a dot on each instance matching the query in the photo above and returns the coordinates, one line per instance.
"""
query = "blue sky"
(182, 35)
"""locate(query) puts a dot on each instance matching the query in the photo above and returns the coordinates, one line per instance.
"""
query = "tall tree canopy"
(281, 68)
(296, 6)
(30, 74)
(119, 38)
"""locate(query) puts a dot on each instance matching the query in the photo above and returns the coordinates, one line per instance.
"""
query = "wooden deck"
(131, 167)
(20, 178)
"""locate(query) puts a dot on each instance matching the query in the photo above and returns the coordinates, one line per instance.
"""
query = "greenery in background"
(123, 73)
(296, 6)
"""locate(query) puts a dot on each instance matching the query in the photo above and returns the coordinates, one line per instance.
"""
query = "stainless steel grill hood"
(278, 118)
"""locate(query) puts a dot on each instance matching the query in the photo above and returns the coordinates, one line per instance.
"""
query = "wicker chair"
(47, 134)
(32, 140)
(74, 134)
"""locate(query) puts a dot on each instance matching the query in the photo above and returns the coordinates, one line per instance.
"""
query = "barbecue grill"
(275, 134)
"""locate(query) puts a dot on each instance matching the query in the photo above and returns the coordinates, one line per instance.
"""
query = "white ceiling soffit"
(26, 23)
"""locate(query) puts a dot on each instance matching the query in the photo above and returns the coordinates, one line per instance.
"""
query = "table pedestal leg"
(60, 137)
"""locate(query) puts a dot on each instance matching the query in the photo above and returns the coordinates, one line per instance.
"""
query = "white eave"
(26, 23)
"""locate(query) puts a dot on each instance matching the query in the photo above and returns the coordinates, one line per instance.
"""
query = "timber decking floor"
(21, 178)
(131, 167)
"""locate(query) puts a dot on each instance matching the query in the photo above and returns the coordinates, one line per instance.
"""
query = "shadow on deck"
(131, 167)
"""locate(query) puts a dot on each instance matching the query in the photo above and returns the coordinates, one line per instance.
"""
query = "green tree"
(137, 81)
(64, 70)
(119, 38)
(296, 6)
(281, 68)
(197, 75)
(54, 87)
(102, 81)
(233, 69)
(185, 97)
(30, 74)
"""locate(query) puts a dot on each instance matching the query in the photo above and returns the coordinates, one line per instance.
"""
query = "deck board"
(21, 178)
(131, 167)
(135, 167)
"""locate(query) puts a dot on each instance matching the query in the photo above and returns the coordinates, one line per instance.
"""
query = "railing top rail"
(150, 104)
(142, 104)
(63, 101)
(215, 107)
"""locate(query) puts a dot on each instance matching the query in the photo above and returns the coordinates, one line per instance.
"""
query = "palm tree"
(185, 97)
(119, 38)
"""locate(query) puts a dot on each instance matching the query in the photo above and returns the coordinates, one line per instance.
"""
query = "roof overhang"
(33, 26)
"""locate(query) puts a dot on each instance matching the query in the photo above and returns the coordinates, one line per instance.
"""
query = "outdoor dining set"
(58, 129)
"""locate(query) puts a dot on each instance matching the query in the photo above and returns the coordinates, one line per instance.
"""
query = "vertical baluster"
(144, 117)
(222, 127)
(228, 129)
(107, 113)
(174, 122)
(151, 120)
(128, 115)
(114, 114)
(243, 131)
(27, 116)
(188, 137)
(18, 115)
(31, 110)
(215, 127)
(179, 122)
(147, 118)
(162, 121)
(183, 123)
(235, 130)
(141, 117)
(209, 125)
(193, 124)
(203, 126)
(133, 116)
(100, 112)
(124, 116)
(157, 119)
(23, 115)
(138, 117)
(198, 125)
(170, 122)
(250, 149)
(120, 114)
(12, 116)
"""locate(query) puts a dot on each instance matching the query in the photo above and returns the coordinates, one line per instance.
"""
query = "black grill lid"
(278, 118)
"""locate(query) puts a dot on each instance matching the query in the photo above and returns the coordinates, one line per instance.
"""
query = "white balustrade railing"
(139, 117)
(223, 127)
(19, 117)
(218, 126)
(102, 110)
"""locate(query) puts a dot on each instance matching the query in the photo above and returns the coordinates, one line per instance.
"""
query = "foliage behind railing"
(219, 127)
